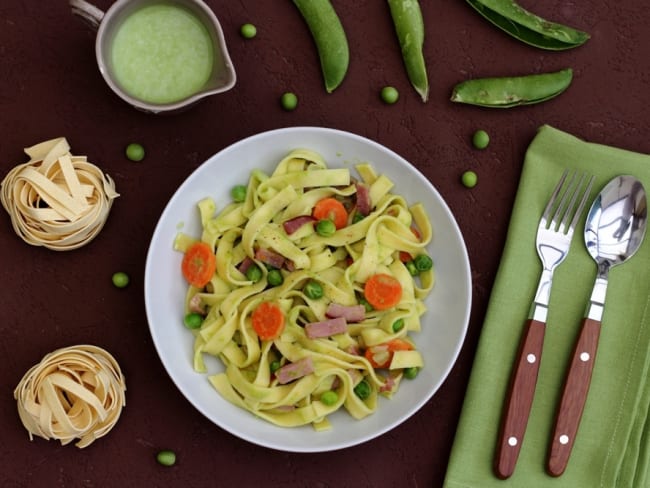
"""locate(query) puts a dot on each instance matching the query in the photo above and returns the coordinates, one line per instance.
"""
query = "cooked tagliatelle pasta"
(308, 317)
(76, 392)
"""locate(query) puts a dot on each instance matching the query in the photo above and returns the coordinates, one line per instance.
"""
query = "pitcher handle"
(89, 13)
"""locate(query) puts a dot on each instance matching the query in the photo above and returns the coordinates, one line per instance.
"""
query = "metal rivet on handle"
(512, 441)
(564, 439)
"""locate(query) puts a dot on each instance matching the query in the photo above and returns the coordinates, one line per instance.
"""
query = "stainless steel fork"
(553, 241)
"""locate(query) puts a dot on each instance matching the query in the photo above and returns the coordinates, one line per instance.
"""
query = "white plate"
(443, 326)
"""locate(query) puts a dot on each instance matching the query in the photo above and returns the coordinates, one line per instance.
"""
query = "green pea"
(366, 304)
(411, 373)
(329, 398)
(480, 139)
(166, 457)
(423, 262)
(248, 31)
(409, 26)
(193, 320)
(289, 101)
(398, 325)
(469, 179)
(274, 366)
(313, 290)
(363, 389)
(528, 27)
(254, 273)
(135, 152)
(274, 277)
(512, 91)
(329, 36)
(389, 94)
(238, 193)
(410, 266)
(325, 228)
(120, 279)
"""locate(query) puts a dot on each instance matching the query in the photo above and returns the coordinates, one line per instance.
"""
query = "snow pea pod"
(505, 92)
(329, 36)
(409, 26)
(528, 27)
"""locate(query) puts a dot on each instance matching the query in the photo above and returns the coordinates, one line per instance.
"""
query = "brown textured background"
(50, 87)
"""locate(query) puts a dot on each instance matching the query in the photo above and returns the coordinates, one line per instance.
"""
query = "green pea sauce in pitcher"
(162, 53)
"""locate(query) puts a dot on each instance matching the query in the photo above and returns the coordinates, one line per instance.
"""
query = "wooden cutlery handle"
(519, 398)
(574, 396)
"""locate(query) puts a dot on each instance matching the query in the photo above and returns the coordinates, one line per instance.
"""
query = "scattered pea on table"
(289, 101)
(389, 95)
(248, 31)
(135, 152)
(166, 457)
(120, 279)
(481, 139)
(469, 179)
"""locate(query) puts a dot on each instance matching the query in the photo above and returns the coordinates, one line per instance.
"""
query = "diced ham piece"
(353, 349)
(196, 305)
(269, 257)
(388, 386)
(326, 328)
(351, 313)
(293, 371)
(292, 225)
(364, 206)
(245, 264)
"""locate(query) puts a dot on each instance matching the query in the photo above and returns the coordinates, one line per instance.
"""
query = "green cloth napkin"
(612, 448)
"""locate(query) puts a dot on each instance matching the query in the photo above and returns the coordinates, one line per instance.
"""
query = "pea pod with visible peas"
(329, 36)
(409, 26)
(505, 92)
(521, 24)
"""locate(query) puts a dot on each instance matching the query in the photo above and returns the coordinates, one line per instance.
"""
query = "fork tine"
(585, 196)
(559, 209)
(556, 191)
(568, 213)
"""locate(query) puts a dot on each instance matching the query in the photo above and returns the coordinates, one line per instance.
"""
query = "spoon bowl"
(617, 221)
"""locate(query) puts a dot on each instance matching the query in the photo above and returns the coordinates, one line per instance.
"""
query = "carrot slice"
(381, 355)
(199, 264)
(268, 321)
(332, 209)
(382, 291)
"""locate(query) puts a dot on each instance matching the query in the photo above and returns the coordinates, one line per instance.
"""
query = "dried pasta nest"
(76, 392)
(57, 200)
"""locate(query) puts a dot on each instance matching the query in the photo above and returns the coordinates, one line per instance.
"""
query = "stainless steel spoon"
(614, 230)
